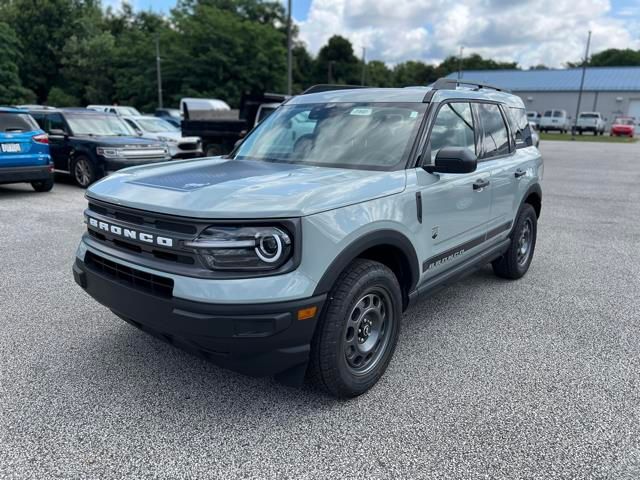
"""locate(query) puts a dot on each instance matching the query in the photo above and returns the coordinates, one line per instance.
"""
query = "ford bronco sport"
(297, 254)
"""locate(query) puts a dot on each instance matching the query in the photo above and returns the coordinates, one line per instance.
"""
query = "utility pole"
(584, 71)
(289, 53)
(158, 71)
(364, 66)
(460, 62)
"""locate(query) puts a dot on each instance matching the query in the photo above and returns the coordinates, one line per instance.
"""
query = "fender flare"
(535, 188)
(363, 243)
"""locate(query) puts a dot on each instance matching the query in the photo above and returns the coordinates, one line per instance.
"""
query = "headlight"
(255, 248)
(108, 152)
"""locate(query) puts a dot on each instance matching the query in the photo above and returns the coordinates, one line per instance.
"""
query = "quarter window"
(453, 127)
(495, 140)
(520, 127)
(55, 121)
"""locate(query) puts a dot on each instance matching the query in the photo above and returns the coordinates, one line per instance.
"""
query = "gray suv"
(296, 255)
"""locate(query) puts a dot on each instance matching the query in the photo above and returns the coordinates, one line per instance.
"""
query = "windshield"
(370, 136)
(156, 125)
(547, 113)
(128, 111)
(589, 115)
(103, 125)
(17, 122)
(623, 121)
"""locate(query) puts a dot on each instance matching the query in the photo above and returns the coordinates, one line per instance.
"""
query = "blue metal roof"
(603, 79)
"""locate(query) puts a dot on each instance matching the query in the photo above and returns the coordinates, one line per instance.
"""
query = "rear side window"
(520, 127)
(453, 127)
(55, 122)
(548, 113)
(17, 122)
(495, 139)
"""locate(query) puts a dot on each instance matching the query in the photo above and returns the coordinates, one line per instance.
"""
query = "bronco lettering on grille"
(131, 234)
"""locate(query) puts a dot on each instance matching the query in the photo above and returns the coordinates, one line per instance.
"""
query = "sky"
(530, 32)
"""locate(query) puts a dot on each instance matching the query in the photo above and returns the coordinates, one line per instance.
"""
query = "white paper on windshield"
(361, 111)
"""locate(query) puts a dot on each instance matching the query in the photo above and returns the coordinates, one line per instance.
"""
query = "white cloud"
(530, 32)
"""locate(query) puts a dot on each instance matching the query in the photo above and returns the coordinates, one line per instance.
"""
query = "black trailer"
(221, 129)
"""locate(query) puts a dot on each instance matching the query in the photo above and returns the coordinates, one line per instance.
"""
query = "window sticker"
(365, 112)
(413, 114)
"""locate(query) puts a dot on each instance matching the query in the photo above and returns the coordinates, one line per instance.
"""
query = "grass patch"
(587, 137)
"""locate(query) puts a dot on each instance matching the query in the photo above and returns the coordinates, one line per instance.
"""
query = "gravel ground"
(538, 378)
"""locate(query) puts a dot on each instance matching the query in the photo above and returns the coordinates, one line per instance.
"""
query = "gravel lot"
(538, 378)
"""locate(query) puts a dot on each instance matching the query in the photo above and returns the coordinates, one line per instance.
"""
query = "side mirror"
(454, 160)
(57, 132)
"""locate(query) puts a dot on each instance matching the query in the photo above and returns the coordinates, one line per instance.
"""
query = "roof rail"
(325, 87)
(452, 83)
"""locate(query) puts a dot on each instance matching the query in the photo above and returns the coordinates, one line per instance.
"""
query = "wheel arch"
(533, 197)
(388, 247)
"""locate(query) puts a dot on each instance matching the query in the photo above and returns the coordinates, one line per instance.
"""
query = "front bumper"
(113, 164)
(254, 339)
(26, 174)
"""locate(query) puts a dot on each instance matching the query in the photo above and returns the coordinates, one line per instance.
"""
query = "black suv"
(88, 144)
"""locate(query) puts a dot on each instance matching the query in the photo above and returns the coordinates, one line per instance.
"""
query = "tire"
(83, 171)
(357, 334)
(515, 262)
(43, 185)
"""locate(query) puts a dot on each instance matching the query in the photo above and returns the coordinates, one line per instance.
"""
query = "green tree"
(336, 63)
(378, 74)
(472, 62)
(59, 98)
(612, 57)
(302, 68)
(43, 27)
(413, 73)
(11, 89)
(227, 54)
(133, 62)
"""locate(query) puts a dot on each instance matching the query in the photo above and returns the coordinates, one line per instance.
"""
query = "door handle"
(520, 173)
(480, 184)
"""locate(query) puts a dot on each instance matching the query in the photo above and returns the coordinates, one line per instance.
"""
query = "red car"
(623, 126)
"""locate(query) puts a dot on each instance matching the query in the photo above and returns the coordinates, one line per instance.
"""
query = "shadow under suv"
(88, 144)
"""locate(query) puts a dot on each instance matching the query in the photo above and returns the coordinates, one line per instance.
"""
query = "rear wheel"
(357, 335)
(83, 171)
(516, 260)
(43, 185)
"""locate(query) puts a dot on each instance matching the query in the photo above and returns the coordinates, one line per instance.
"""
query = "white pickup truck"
(590, 122)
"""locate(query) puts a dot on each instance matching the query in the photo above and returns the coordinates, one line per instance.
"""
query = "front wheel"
(357, 334)
(516, 260)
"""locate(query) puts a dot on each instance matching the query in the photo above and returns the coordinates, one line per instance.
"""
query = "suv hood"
(221, 188)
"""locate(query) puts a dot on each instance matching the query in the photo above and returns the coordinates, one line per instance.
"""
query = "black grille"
(143, 219)
(147, 282)
(188, 146)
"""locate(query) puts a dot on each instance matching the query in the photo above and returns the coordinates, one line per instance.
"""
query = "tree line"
(74, 53)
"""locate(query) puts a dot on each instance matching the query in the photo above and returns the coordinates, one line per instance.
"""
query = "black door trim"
(452, 253)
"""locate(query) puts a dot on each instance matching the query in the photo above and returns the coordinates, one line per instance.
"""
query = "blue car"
(24, 151)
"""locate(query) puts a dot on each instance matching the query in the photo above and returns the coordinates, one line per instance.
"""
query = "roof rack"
(325, 87)
(447, 83)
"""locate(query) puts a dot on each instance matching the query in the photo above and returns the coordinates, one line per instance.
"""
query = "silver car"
(297, 255)
(159, 129)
